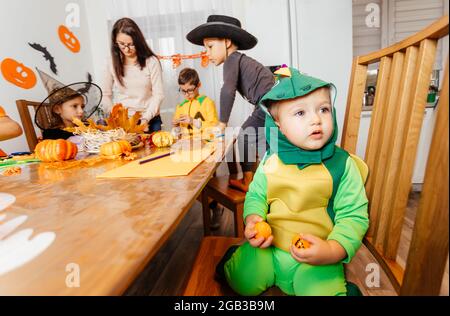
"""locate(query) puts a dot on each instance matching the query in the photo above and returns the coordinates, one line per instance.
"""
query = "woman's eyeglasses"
(124, 46)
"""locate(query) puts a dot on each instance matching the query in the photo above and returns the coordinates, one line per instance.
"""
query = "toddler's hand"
(250, 232)
(320, 252)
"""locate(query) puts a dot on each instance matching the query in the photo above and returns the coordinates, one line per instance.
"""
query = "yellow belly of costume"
(298, 201)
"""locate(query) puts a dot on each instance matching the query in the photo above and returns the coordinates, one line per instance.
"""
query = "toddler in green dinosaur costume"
(305, 184)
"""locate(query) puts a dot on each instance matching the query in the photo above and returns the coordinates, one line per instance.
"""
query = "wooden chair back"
(398, 112)
(27, 121)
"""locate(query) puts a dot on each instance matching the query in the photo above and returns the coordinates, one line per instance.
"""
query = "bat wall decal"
(47, 56)
(87, 86)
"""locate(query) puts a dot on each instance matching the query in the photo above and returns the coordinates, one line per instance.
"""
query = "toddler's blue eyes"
(325, 110)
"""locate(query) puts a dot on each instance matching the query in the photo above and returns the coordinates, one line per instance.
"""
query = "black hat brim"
(240, 37)
(84, 89)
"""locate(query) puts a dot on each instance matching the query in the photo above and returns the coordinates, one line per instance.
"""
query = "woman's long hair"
(129, 27)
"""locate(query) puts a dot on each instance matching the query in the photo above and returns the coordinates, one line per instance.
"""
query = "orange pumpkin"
(162, 139)
(51, 150)
(68, 39)
(115, 148)
(18, 74)
(263, 230)
(300, 243)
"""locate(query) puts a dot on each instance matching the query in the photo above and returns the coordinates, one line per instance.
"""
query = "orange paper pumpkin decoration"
(115, 148)
(300, 243)
(68, 39)
(55, 150)
(18, 74)
(2, 112)
(263, 230)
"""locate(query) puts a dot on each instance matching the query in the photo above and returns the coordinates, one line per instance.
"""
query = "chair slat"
(27, 121)
(429, 245)
(410, 140)
(400, 116)
(379, 111)
(377, 175)
(354, 106)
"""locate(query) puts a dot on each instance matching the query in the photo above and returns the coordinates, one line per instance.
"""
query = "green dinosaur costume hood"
(290, 84)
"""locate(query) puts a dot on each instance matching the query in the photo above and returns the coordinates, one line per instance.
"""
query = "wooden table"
(108, 228)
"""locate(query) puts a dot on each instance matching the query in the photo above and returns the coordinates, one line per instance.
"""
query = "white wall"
(268, 21)
(97, 18)
(26, 21)
(324, 41)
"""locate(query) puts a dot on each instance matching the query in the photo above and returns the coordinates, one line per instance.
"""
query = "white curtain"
(165, 24)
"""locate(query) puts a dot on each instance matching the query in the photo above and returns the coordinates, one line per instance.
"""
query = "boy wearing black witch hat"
(223, 36)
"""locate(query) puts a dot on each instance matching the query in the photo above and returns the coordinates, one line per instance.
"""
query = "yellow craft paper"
(180, 163)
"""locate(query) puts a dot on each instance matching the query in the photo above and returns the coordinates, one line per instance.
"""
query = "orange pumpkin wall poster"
(18, 74)
(69, 39)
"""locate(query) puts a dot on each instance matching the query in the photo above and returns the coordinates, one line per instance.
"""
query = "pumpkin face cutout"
(69, 39)
(300, 243)
(18, 74)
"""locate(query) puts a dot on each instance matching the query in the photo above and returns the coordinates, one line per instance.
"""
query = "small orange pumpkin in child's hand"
(50, 150)
(300, 243)
(262, 230)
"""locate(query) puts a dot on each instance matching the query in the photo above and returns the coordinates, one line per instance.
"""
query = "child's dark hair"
(188, 75)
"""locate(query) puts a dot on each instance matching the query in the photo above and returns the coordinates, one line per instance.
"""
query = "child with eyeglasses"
(196, 110)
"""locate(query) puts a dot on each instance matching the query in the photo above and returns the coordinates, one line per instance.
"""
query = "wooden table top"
(105, 230)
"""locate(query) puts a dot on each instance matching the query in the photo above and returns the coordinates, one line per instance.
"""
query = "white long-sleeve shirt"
(142, 90)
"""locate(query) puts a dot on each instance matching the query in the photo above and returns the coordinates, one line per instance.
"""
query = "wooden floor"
(167, 273)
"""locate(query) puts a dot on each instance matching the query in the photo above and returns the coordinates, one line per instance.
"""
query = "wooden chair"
(398, 111)
(27, 121)
(218, 190)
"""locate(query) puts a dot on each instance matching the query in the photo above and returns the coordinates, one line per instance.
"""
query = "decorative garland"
(177, 59)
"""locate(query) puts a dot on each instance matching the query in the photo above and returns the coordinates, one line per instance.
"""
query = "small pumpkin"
(115, 148)
(162, 139)
(2, 112)
(300, 243)
(50, 150)
(263, 230)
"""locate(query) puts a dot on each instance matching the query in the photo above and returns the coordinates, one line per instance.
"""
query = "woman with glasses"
(136, 73)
